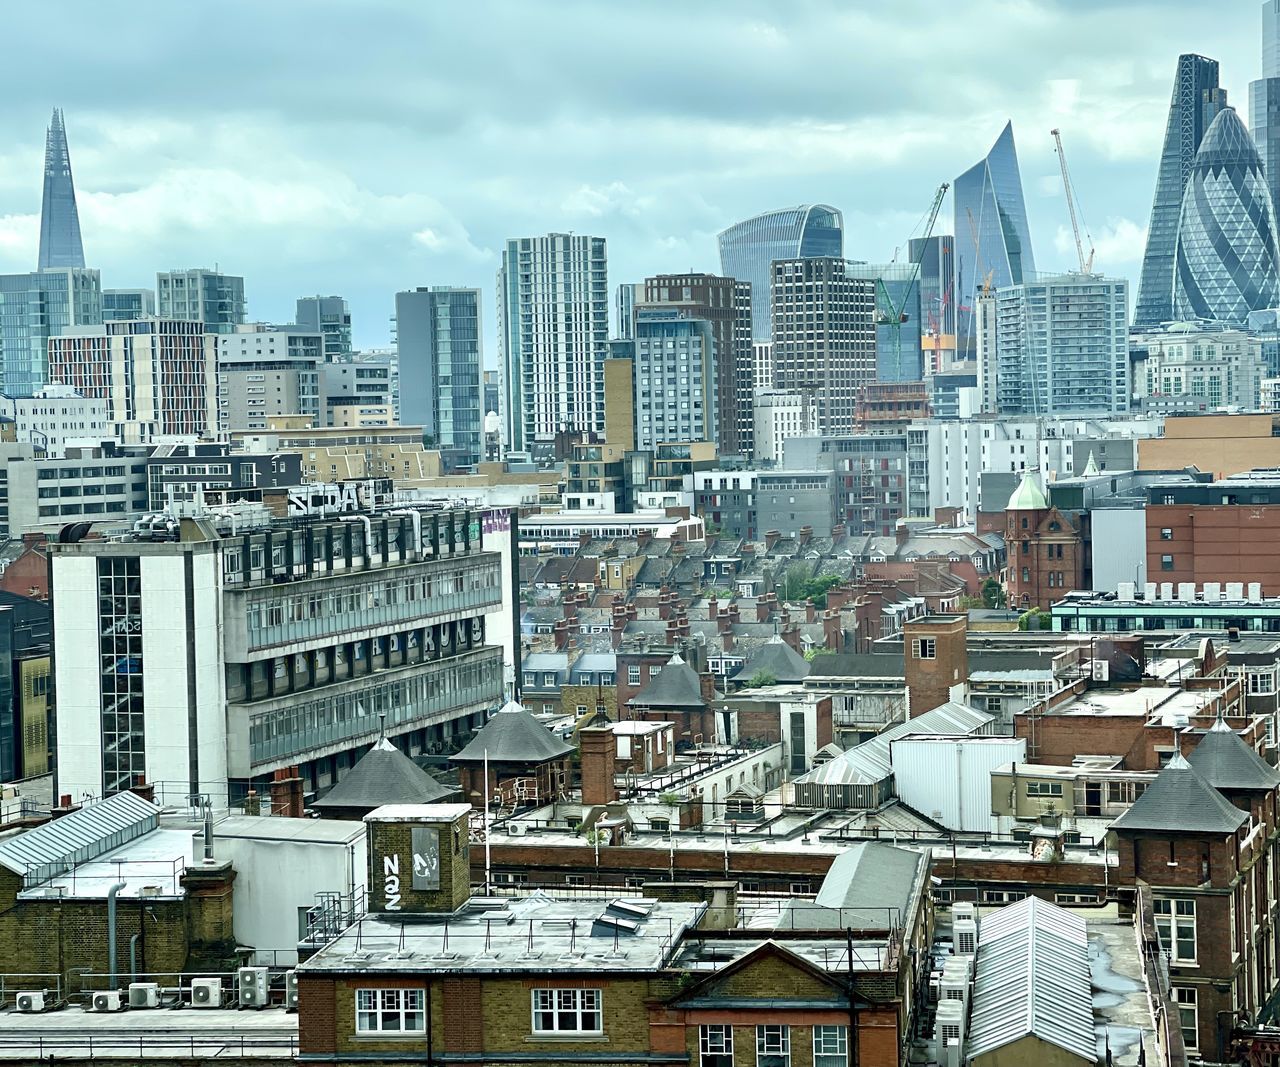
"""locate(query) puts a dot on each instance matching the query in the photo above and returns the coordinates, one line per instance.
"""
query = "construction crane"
(892, 314)
(1086, 264)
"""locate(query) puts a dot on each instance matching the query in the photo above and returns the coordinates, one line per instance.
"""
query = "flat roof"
(1159, 700)
(150, 865)
(278, 828)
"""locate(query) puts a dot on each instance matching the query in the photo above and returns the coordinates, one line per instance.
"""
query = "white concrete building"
(57, 416)
(1215, 368)
(779, 415)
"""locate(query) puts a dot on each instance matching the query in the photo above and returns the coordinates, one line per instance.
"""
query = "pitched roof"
(1028, 496)
(1226, 762)
(513, 735)
(777, 658)
(677, 686)
(869, 886)
(383, 775)
(1181, 800)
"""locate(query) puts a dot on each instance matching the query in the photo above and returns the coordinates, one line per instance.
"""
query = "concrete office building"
(748, 504)
(104, 484)
(673, 378)
(1062, 346)
(217, 666)
(824, 337)
(1210, 369)
(55, 417)
(35, 307)
(356, 394)
(158, 376)
(870, 476)
(438, 334)
(553, 326)
(265, 371)
(726, 304)
(182, 479)
(329, 316)
(779, 416)
(127, 304)
(201, 295)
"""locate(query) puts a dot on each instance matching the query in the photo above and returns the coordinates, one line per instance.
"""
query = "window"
(1166, 534)
(995, 705)
(567, 1011)
(1185, 998)
(389, 1011)
(1044, 789)
(1176, 925)
(925, 648)
(1261, 683)
(1166, 563)
(633, 675)
(830, 1046)
(715, 1046)
(773, 1046)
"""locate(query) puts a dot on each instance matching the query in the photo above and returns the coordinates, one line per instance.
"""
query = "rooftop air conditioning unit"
(954, 984)
(290, 990)
(251, 982)
(30, 1002)
(206, 992)
(144, 994)
(963, 909)
(109, 1000)
(949, 1028)
(515, 829)
(965, 935)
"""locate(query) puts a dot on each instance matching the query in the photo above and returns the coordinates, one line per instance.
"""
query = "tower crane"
(1086, 264)
(893, 314)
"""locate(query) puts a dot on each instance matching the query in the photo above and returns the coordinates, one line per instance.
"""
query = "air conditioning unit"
(30, 1002)
(949, 1028)
(251, 983)
(515, 829)
(963, 909)
(290, 990)
(110, 1000)
(144, 994)
(965, 934)
(206, 992)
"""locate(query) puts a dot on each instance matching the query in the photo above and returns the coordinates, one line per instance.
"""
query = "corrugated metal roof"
(48, 850)
(1032, 977)
(869, 762)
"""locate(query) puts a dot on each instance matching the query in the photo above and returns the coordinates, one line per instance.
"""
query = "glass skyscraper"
(749, 249)
(1196, 101)
(1225, 265)
(331, 317)
(1264, 100)
(992, 238)
(59, 220)
(35, 307)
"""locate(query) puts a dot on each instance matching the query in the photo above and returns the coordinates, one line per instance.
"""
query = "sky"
(367, 146)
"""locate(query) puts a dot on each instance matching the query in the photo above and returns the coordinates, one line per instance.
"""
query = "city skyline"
(331, 207)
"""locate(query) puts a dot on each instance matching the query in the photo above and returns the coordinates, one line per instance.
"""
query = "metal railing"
(36, 982)
(85, 1044)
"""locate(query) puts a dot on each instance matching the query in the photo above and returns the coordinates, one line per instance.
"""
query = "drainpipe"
(111, 929)
(133, 957)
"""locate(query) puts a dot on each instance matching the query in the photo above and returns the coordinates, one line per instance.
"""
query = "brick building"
(936, 658)
(1047, 548)
(679, 694)
(525, 762)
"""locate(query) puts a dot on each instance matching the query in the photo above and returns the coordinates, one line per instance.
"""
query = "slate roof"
(383, 775)
(1180, 800)
(869, 886)
(777, 658)
(677, 686)
(1226, 762)
(513, 735)
(858, 665)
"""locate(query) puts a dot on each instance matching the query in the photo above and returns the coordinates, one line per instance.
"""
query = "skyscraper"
(1264, 100)
(35, 307)
(438, 345)
(824, 337)
(331, 316)
(749, 249)
(1196, 101)
(994, 243)
(937, 258)
(1226, 261)
(59, 220)
(201, 295)
(553, 325)
(674, 378)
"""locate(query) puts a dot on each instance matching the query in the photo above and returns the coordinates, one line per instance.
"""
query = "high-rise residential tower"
(726, 304)
(993, 241)
(1264, 100)
(123, 304)
(60, 244)
(201, 295)
(438, 341)
(824, 337)
(1197, 99)
(35, 307)
(331, 316)
(553, 325)
(749, 249)
(1226, 263)
(674, 379)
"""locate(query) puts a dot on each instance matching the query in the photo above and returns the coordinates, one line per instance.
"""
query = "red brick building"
(1047, 549)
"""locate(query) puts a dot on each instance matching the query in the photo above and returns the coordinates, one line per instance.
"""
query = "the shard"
(59, 220)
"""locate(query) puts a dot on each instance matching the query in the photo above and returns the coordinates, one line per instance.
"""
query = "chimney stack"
(599, 752)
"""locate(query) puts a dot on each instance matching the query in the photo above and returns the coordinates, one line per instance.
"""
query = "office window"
(567, 1011)
(925, 648)
(773, 1046)
(1166, 563)
(1044, 789)
(830, 1046)
(1188, 1016)
(715, 1046)
(1176, 925)
(389, 1011)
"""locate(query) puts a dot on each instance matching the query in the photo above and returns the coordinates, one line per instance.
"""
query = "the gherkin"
(1225, 265)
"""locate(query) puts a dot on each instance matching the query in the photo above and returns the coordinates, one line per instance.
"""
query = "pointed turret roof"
(1181, 801)
(677, 686)
(1028, 496)
(513, 735)
(1091, 468)
(1226, 762)
(777, 658)
(383, 775)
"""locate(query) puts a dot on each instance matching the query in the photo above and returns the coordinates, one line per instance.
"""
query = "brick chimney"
(734, 613)
(677, 546)
(723, 621)
(726, 639)
(665, 601)
(770, 539)
(838, 596)
(810, 611)
(286, 793)
(143, 789)
(762, 609)
(839, 530)
(713, 607)
(584, 539)
(804, 535)
(832, 634)
(902, 533)
(560, 634)
(791, 636)
(747, 549)
(643, 537)
(570, 604)
(599, 751)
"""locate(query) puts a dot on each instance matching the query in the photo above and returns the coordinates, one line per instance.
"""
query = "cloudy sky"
(364, 147)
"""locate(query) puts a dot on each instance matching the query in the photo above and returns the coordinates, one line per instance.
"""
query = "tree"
(815, 652)
(992, 594)
(1035, 619)
(761, 678)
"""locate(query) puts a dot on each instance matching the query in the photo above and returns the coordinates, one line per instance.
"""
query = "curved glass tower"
(993, 242)
(1225, 265)
(748, 250)
(59, 220)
